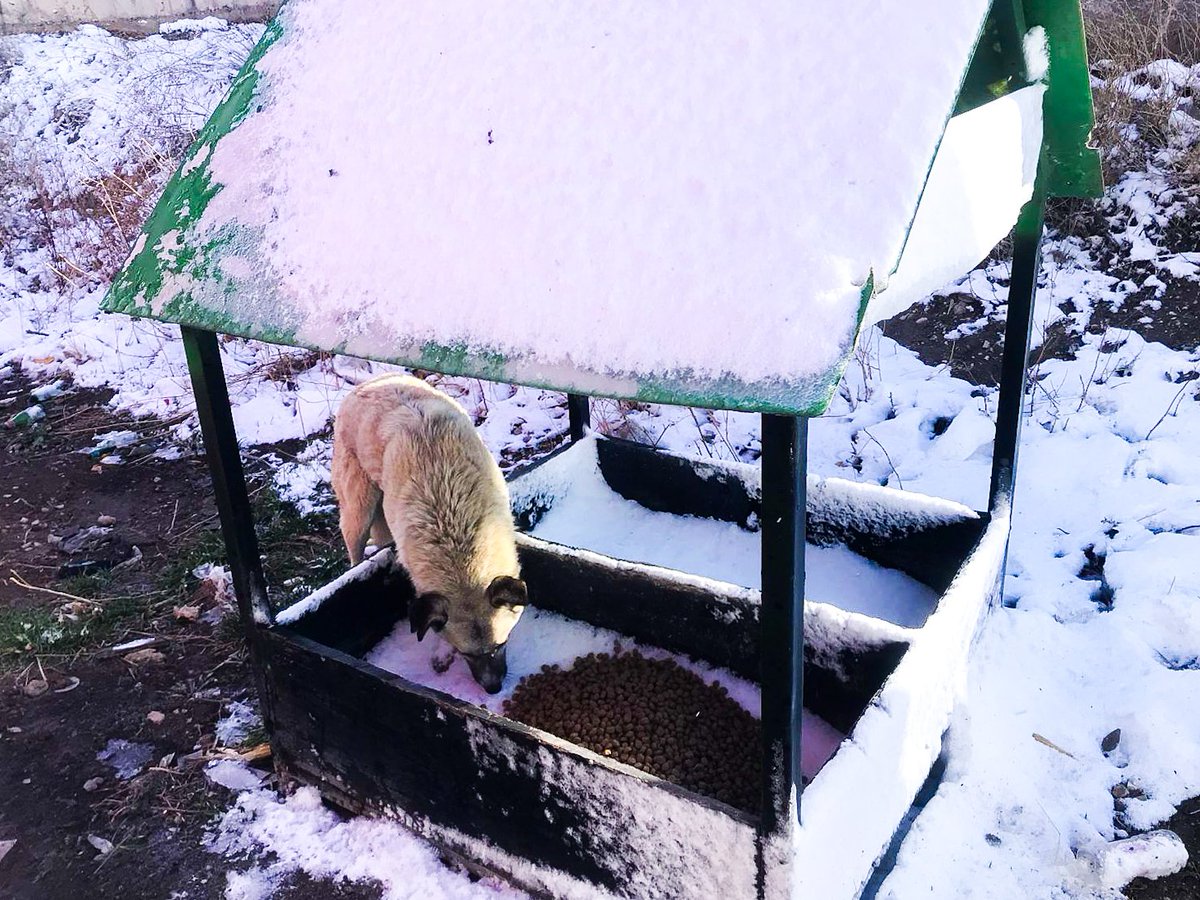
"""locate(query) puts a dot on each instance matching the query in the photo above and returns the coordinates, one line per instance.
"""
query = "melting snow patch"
(193, 26)
(46, 391)
(239, 720)
(1150, 855)
(306, 482)
(126, 758)
(302, 835)
(234, 775)
(253, 884)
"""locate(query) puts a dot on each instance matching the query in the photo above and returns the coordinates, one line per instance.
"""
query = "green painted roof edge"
(808, 399)
(1071, 167)
(183, 201)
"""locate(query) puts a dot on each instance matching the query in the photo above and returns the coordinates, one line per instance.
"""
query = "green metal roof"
(215, 255)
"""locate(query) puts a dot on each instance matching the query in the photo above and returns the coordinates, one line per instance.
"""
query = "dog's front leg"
(443, 654)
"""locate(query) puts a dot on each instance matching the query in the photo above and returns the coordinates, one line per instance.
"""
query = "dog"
(408, 465)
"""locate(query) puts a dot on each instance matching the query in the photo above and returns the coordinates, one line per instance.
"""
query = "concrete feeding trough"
(626, 202)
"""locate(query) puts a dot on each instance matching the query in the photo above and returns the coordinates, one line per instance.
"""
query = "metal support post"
(229, 482)
(1022, 290)
(785, 446)
(579, 414)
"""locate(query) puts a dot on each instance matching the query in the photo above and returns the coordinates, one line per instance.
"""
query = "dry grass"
(1125, 36)
(1132, 33)
(1188, 165)
(86, 228)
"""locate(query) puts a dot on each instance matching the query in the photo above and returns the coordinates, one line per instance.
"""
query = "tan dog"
(408, 464)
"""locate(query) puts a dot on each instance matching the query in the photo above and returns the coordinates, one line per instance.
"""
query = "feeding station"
(698, 206)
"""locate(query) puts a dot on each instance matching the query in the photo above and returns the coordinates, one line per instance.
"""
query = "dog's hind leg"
(358, 503)
(381, 535)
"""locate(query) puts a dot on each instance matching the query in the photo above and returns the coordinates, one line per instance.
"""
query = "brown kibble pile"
(652, 714)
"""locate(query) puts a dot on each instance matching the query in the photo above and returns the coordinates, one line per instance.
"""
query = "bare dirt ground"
(61, 702)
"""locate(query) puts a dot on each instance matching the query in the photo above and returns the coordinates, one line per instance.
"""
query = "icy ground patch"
(239, 720)
(1103, 625)
(126, 758)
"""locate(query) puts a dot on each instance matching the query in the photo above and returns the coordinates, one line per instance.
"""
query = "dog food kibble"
(652, 714)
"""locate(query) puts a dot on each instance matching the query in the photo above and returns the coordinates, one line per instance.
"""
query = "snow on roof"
(630, 199)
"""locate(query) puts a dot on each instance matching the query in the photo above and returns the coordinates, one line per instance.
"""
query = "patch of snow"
(587, 513)
(252, 884)
(301, 834)
(233, 774)
(1037, 53)
(187, 26)
(239, 720)
(1150, 855)
(305, 481)
(125, 757)
(46, 391)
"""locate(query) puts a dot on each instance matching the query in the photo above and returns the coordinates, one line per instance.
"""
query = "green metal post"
(785, 449)
(1022, 290)
(579, 414)
(229, 482)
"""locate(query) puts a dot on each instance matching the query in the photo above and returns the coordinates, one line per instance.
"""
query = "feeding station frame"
(618, 200)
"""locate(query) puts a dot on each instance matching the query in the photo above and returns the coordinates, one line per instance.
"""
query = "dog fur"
(408, 465)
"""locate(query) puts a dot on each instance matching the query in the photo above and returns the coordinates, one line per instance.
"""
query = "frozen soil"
(1169, 315)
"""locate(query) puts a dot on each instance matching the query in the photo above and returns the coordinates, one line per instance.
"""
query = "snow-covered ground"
(1108, 471)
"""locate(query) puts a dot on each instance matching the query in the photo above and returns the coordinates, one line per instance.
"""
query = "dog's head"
(477, 624)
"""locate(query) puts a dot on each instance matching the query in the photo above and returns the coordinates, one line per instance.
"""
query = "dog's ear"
(427, 612)
(507, 591)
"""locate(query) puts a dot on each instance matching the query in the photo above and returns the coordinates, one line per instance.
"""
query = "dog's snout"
(489, 669)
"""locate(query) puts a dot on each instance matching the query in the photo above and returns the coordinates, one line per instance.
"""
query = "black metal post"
(579, 414)
(1022, 289)
(784, 458)
(229, 482)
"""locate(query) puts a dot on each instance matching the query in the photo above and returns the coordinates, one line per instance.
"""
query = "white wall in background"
(132, 15)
